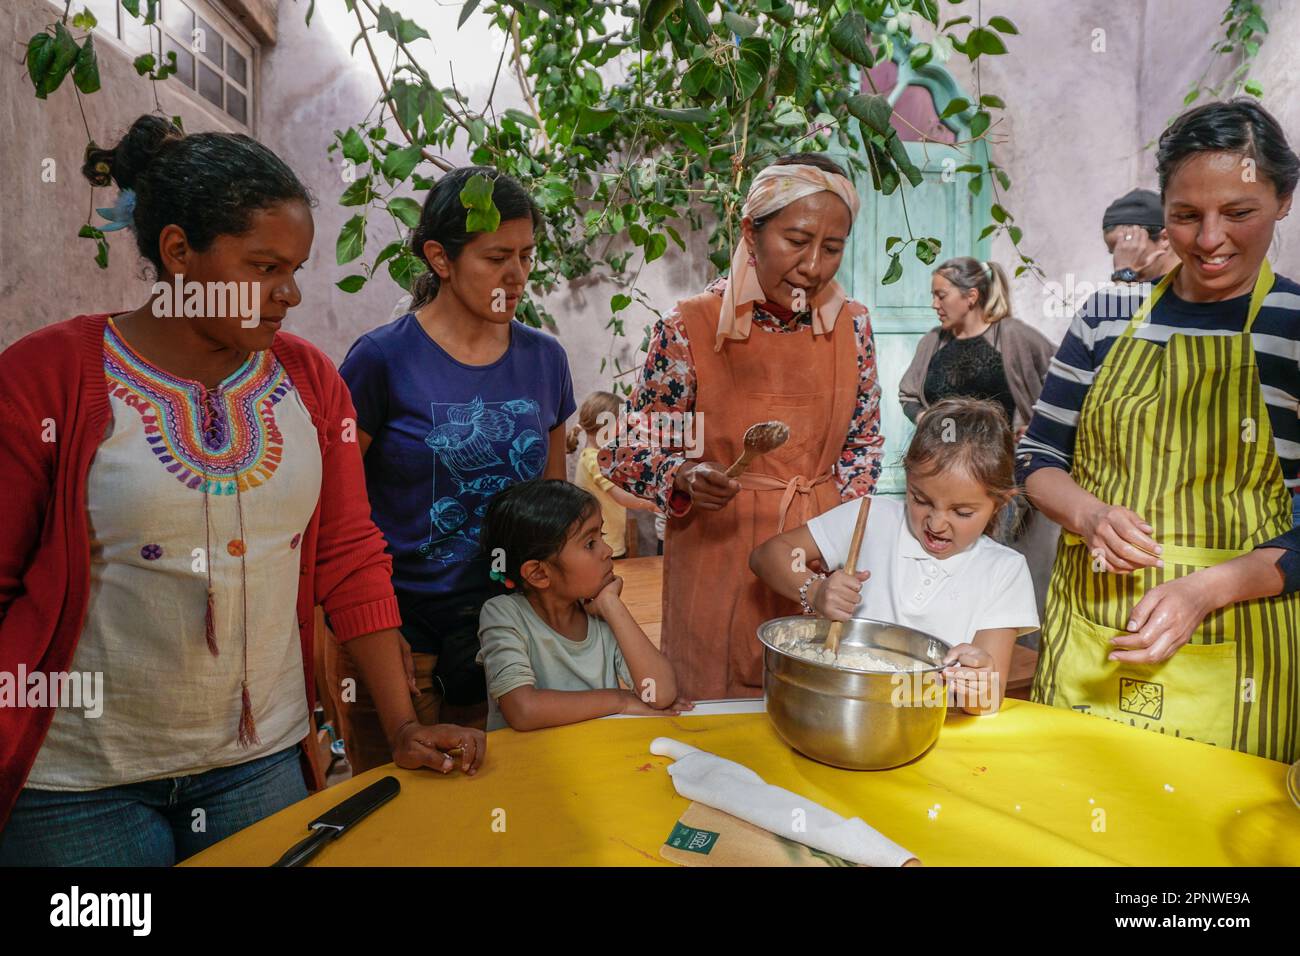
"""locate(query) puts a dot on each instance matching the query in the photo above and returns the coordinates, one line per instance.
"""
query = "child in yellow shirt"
(600, 410)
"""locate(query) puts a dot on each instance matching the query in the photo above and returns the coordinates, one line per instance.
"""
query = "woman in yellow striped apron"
(1174, 604)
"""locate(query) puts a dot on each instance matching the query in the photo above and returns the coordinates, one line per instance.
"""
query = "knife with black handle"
(334, 823)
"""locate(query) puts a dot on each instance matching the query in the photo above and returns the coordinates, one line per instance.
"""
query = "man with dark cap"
(1134, 229)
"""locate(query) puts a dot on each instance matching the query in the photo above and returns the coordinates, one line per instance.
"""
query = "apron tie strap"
(798, 485)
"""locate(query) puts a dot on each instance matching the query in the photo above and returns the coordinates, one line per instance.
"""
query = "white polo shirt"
(986, 586)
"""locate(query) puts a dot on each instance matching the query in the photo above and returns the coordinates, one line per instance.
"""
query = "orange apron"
(713, 603)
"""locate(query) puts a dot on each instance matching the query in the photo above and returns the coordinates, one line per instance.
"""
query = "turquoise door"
(901, 312)
(942, 207)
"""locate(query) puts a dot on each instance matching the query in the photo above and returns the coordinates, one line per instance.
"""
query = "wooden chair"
(1024, 661)
(631, 535)
(317, 745)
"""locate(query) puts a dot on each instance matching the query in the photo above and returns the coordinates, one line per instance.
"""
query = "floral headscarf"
(772, 190)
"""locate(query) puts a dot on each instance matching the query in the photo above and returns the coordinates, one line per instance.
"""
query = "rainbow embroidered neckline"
(227, 434)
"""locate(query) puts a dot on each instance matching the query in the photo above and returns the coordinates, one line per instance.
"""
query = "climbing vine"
(638, 124)
(1245, 29)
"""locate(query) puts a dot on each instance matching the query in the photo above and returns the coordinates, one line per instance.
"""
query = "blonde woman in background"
(599, 411)
(978, 349)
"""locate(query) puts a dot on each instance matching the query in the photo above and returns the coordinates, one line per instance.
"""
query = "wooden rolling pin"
(836, 630)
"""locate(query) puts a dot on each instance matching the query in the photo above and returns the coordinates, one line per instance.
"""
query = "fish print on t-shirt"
(478, 448)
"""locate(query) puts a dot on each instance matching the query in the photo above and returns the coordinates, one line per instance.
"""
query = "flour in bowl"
(853, 658)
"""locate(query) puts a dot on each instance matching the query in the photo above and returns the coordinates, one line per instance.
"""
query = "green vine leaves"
(1244, 30)
(637, 123)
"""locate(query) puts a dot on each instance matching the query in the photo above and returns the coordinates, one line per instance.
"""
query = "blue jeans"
(152, 823)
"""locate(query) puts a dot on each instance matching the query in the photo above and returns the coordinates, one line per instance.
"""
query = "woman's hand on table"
(1120, 540)
(424, 745)
(1163, 621)
(636, 707)
(707, 484)
(836, 597)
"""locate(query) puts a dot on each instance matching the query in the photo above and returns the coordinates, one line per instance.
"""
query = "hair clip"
(121, 214)
(98, 165)
(496, 575)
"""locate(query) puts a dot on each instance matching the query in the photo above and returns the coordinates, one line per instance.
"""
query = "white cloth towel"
(733, 788)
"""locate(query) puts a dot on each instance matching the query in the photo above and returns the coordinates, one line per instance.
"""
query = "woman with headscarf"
(776, 339)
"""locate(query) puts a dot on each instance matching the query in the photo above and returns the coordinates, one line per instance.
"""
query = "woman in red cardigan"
(170, 476)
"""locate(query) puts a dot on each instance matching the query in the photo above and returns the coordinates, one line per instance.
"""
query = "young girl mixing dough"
(927, 562)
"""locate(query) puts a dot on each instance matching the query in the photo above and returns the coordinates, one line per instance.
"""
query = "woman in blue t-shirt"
(455, 401)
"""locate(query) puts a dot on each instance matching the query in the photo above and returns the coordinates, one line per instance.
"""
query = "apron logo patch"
(1141, 697)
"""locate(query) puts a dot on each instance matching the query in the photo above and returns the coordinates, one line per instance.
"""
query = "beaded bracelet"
(803, 594)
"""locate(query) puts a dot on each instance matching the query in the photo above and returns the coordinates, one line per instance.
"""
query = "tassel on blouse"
(210, 624)
(247, 727)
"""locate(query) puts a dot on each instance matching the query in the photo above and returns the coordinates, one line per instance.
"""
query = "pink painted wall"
(1072, 140)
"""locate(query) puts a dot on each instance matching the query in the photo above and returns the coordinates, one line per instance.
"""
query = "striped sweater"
(1049, 440)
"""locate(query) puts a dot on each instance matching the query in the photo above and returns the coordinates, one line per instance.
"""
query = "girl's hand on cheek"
(837, 596)
(607, 599)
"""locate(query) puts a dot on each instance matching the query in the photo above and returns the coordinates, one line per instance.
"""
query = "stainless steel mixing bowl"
(855, 719)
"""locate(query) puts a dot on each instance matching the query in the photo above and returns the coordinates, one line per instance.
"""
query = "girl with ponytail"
(978, 349)
(598, 420)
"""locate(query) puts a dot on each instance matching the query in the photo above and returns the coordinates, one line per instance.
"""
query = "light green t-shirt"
(519, 649)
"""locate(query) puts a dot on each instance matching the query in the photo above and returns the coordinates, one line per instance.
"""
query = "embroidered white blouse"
(170, 707)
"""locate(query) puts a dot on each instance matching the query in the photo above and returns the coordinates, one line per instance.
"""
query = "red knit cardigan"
(54, 412)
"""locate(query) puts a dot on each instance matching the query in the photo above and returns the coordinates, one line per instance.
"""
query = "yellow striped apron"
(1180, 435)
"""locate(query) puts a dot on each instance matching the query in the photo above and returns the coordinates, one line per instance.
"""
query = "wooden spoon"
(759, 440)
(836, 630)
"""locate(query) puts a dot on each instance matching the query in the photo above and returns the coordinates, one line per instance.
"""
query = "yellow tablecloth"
(1032, 785)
